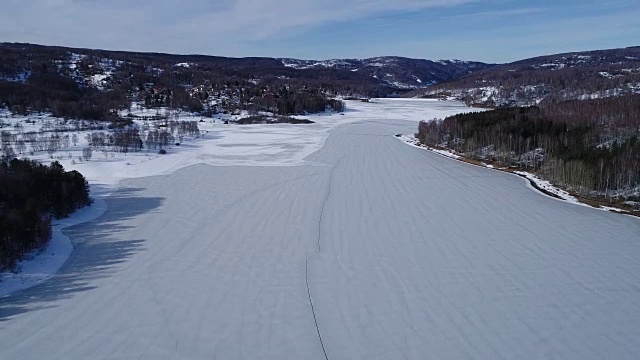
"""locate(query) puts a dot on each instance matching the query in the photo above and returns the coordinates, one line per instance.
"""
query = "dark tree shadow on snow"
(100, 245)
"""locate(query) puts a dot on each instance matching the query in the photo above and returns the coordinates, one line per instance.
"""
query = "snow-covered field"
(326, 241)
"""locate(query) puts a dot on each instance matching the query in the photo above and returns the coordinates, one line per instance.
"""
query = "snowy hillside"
(572, 76)
(396, 71)
(126, 74)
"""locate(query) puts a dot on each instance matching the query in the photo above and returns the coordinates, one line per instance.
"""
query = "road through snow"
(404, 254)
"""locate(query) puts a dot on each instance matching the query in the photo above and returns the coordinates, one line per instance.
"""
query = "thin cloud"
(484, 15)
(181, 25)
(486, 30)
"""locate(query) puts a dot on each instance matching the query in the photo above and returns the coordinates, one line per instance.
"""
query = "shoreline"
(41, 264)
(536, 183)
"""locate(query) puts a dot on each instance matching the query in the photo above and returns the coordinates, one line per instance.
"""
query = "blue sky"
(483, 30)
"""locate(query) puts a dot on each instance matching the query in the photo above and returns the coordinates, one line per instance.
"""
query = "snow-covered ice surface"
(220, 144)
(404, 254)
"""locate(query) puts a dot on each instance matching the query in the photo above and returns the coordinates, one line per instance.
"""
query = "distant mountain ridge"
(551, 78)
(386, 73)
(397, 71)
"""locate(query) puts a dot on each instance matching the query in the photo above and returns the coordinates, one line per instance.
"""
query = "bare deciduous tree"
(87, 152)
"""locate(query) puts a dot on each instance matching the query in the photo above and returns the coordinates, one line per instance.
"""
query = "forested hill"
(547, 79)
(591, 147)
(94, 84)
(572, 118)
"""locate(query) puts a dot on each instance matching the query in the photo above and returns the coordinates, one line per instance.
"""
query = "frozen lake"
(404, 254)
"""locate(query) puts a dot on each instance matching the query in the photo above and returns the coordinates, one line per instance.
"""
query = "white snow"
(608, 208)
(74, 59)
(309, 64)
(402, 253)
(98, 80)
(553, 66)
(547, 186)
(411, 140)
(454, 61)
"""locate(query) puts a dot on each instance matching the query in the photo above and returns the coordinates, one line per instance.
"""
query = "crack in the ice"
(306, 266)
(324, 203)
(315, 320)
